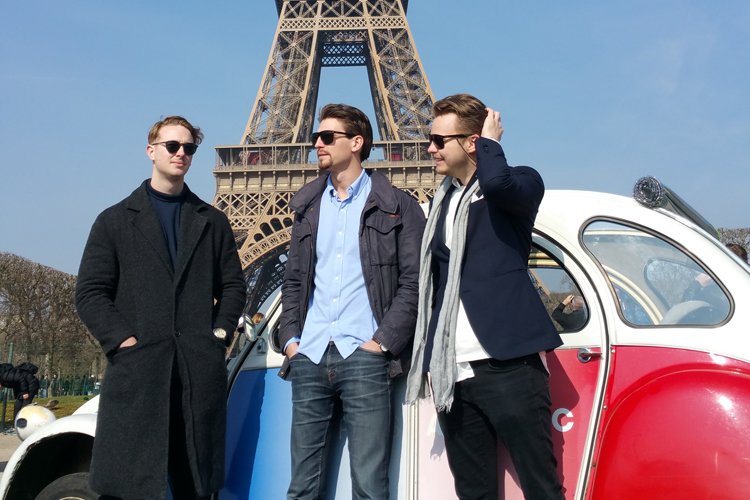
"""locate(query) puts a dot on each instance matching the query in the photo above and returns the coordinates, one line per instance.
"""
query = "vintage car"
(650, 391)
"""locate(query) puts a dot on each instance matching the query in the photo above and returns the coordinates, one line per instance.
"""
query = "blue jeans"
(360, 385)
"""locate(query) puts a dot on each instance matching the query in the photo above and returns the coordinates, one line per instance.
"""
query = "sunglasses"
(439, 140)
(327, 136)
(173, 146)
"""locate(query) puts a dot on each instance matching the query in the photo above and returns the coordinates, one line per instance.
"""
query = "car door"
(677, 404)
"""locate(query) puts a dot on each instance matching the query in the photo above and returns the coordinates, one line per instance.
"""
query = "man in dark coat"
(26, 391)
(160, 287)
(575, 317)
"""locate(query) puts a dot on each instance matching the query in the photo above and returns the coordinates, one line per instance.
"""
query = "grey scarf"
(443, 361)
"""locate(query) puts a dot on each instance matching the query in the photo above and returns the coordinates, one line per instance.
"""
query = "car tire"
(70, 487)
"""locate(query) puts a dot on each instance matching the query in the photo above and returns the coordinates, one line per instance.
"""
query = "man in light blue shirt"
(339, 310)
(349, 306)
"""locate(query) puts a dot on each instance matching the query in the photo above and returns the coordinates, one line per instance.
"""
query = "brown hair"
(355, 122)
(739, 250)
(470, 111)
(174, 120)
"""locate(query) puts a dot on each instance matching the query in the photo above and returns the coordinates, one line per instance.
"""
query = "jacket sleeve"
(516, 190)
(396, 330)
(291, 288)
(558, 314)
(229, 282)
(24, 383)
(96, 288)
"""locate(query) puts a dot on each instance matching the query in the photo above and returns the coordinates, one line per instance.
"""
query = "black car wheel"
(70, 487)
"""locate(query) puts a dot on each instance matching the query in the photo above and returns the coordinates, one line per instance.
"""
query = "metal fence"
(70, 386)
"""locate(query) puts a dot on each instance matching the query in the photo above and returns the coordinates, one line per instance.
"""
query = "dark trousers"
(180, 477)
(506, 402)
(20, 403)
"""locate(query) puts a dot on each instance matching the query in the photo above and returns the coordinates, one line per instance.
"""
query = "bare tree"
(38, 316)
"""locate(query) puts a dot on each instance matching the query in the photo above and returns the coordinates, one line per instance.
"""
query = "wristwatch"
(382, 347)
(220, 333)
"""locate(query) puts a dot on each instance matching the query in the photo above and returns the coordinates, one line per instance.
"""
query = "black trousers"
(507, 402)
(20, 403)
(180, 477)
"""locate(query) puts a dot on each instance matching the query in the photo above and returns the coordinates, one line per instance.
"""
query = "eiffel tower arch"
(256, 179)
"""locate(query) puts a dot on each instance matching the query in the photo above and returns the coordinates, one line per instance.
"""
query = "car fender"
(30, 467)
(680, 432)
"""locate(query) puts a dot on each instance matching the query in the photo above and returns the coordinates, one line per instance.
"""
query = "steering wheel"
(688, 312)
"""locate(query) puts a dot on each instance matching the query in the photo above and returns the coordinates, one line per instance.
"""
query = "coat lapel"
(192, 226)
(146, 222)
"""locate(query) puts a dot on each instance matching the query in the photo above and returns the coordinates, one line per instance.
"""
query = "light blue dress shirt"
(339, 309)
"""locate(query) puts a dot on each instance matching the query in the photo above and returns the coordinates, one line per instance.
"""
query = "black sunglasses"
(439, 140)
(173, 146)
(327, 136)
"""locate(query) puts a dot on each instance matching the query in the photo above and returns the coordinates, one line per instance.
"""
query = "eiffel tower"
(256, 179)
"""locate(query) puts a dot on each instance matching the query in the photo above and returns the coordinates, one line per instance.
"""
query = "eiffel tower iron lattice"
(256, 179)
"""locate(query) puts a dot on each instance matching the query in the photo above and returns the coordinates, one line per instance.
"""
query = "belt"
(502, 363)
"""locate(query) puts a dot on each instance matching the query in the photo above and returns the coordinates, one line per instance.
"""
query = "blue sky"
(593, 94)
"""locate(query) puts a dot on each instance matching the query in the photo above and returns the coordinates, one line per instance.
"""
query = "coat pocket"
(382, 238)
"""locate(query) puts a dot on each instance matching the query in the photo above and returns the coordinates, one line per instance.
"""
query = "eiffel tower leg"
(404, 98)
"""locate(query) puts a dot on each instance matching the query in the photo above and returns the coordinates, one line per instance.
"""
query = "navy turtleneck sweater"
(168, 208)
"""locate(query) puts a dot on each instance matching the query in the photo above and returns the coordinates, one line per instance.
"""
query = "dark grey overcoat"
(126, 287)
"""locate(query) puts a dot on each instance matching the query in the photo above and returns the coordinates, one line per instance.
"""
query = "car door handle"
(586, 354)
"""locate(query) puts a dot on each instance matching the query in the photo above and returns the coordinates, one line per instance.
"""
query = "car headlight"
(31, 418)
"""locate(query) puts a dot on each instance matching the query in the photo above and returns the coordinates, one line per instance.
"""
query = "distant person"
(704, 288)
(739, 250)
(160, 287)
(349, 306)
(23, 382)
(27, 397)
(575, 317)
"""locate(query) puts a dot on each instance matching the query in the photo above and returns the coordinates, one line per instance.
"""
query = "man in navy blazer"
(482, 330)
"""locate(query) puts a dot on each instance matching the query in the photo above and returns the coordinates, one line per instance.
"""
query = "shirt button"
(177, 333)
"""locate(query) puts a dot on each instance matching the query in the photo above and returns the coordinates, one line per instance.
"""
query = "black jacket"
(570, 321)
(390, 234)
(21, 381)
(502, 305)
(127, 287)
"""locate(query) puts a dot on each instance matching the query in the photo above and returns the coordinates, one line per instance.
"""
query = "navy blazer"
(501, 303)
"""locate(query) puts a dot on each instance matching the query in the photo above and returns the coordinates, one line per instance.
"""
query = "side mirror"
(251, 325)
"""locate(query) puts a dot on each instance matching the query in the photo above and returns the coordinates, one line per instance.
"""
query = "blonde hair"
(470, 111)
(174, 120)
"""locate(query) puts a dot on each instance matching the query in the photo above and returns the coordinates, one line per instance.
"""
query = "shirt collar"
(457, 184)
(357, 188)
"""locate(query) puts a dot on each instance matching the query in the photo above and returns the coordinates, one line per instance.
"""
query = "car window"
(656, 283)
(559, 292)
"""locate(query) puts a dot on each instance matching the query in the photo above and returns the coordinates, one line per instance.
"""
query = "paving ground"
(8, 444)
